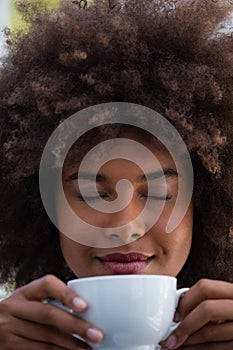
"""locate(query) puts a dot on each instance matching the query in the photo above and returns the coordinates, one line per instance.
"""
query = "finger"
(50, 315)
(207, 311)
(51, 286)
(44, 334)
(211, 333)
(210, 346)
(18, 343)
(203, 290)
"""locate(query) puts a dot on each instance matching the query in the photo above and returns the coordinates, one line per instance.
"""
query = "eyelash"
(103, 196)
(161, 198)
(90, 198)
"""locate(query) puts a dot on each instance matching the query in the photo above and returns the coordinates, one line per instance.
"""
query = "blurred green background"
(16, 21)
(11, 18)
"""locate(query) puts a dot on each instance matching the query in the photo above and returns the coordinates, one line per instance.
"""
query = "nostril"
(126, 235)
(114, 235)
(135, 235)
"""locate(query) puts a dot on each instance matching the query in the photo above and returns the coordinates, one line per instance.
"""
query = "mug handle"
(174, 325)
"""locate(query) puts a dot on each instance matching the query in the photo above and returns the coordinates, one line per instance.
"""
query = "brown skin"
(159, 61)
(171, 68)
(169, 251)
(205, 310)
(200, 310)
(200, 316)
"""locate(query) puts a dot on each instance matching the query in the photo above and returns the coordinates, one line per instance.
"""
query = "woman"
(172, 57)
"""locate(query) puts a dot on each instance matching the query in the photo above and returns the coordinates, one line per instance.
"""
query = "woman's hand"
(27, 323)
(206, 315)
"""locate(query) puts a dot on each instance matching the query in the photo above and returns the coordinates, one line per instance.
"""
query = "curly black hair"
(173, 56)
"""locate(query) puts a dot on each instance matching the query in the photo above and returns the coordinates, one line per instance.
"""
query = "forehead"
(102, 140)
(133, 154)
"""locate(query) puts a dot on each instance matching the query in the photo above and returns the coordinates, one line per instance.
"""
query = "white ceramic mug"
(135, 312)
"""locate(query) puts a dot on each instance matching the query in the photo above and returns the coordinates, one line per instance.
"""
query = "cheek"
(75, 255)
(86, 213)
(67, 249)
(179, 248)
(182, 236)
(175, 246)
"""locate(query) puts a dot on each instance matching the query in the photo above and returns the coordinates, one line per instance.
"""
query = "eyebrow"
(167, 172)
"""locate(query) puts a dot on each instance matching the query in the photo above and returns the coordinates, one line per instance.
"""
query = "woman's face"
(134, 249)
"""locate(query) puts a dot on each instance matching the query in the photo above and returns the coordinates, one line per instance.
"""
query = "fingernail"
(94, 335)
(177, 316)
(171, 342)
(79, 303)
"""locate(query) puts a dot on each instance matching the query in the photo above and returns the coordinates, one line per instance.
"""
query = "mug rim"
(120, 277)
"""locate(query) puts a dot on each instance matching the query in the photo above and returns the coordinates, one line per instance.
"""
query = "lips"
(118, 263)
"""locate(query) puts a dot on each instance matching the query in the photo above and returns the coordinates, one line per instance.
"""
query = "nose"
(126, 225)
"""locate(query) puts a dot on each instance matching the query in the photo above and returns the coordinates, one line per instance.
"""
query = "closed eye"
(94, 197)
(166, 197)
